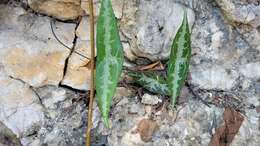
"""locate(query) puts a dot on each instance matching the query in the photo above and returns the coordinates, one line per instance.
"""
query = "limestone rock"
(155, 25)
(83, 30)
(20, 110)
(118, 7)
(54, 138)
(61, 9)
(214, 77)
(251, 70)
(78, 73)
(28, 48)
(64, 115)
(246, 12)
(150, 99)
(51, 96)
(218, 52)
(192, 125)
(244, 15)
(132, 139)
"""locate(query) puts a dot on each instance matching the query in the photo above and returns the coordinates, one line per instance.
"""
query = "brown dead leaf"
(154, 66)
(87, 64)
(146, 128)
(225, 134)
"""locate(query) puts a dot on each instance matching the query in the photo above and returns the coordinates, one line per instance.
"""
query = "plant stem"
(92, 84)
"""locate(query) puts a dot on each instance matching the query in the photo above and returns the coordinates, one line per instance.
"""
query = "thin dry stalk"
(92, 85)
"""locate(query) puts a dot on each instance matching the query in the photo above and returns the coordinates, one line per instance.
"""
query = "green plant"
(151, 82)
(178, 66)
(110, 61)
(109, 58)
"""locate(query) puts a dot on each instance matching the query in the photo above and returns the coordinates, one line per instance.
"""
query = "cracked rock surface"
(28, 48)
(45, 82)
(78, 70)
(20, 108)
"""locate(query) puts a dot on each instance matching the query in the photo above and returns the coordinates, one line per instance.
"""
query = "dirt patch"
(225, 134)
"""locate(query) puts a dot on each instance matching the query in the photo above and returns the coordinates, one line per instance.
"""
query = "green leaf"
(151, 82)
(109, 58)
(178, 64)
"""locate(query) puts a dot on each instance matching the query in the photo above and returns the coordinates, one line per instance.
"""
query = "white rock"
(57, 95)
(131, 139)
(241, 11)
(246, 84)
(35, 143)
(78, 73)
(251, 70)
(128, 52)
(54, 138)
(19, 108)
(213, 77)
(28, 48)
(118, 7)
(83, 30)
(150, 99)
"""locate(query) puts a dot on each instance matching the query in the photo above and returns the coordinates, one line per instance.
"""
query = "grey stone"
(192, 125)
(251, 70)
(246, 12)
(154, 27)
(214, 77)
(150, 99)
(62, 124)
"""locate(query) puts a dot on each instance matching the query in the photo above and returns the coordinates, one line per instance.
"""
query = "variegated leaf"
(178, 64)
(151, 82)
(109, 58)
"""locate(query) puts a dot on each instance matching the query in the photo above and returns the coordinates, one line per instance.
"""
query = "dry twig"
(92, 89)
